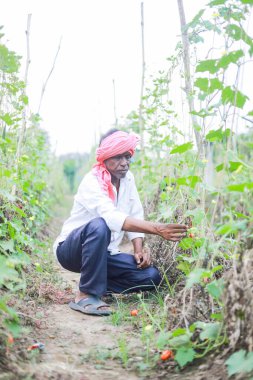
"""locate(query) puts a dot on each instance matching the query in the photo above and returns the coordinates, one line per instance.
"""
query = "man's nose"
(124, 161)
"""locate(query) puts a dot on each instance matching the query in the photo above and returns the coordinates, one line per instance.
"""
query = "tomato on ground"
(167, 354)
(134, 313)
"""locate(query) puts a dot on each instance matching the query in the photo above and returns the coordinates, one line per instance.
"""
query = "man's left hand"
(143, 258)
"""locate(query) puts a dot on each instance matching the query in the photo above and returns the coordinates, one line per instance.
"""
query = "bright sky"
(101, 41)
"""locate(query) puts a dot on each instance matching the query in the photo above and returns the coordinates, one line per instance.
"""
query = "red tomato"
(191, 235)
(10, 339)
(167, 354)
(134, 313)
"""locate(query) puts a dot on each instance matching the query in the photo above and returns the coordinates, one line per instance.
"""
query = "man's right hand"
(172, 232)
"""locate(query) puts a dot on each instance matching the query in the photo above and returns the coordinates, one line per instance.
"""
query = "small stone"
(203, 367)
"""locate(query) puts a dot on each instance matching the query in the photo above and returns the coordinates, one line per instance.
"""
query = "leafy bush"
(26, 187)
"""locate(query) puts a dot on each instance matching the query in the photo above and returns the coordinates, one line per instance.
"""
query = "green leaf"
(197, 127)
(247, 2)
(226, 229)
(6, 195)
(195, 20)
(240, 362)
(215, 84)
(7, 273)
(216, 269)
(217, 316)
(232, 228)
(240, 215)
(233, 97)
(219, 167)
(202, 84)
(240, 187)
(6, 309)
(184, 257)
(215, 135)
(19, 211)
(237, 187)
(197, 213)
(7, 245)
(218, 134)
(196, 38)
(216, 288)
(194, 277)
(24, 98)
(234, 31)
(216, 2)
(162, 340)
(180, 340)
(210, 26)
(184, 266)
(209, 65)
(186, 243)
(190, 181)
(235, 166)
(203, 113)
(238, 33)
(7, 119)
(9, 61)
(231, 57)
(208, 86)
(182, 148)
(179, 331)
(13, 326)
(210, 331)
(185, 355)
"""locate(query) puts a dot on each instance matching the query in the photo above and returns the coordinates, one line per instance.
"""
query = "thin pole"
(187, 71)
(141, 121)
(114, 104)
(23, 127)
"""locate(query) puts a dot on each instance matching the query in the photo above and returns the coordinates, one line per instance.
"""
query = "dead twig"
(48, 77)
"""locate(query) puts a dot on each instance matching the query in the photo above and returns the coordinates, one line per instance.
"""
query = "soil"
(75, 345)
(69, 339)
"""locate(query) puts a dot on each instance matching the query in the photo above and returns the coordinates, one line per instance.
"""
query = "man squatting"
(106, 205)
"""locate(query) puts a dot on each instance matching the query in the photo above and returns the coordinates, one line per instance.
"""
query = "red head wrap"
(117, 143)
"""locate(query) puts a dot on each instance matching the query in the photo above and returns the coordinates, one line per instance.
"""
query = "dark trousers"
(85, 251)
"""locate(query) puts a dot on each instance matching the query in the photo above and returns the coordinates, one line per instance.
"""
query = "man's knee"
(99, 226)
(154, 276)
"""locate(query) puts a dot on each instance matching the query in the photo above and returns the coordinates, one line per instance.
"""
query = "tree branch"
(48, 77)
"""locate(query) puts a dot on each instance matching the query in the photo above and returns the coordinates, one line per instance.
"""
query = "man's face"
(118, 165)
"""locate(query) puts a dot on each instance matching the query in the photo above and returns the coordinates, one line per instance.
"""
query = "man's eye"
(126, 157)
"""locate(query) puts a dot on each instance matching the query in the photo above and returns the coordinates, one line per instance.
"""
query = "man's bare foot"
(80, 296)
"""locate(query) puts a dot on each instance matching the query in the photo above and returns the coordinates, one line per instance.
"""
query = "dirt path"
(69, 339)
(75, 344)
(83, 347)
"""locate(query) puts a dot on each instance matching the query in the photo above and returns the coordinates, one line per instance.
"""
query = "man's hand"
(172, 232)
(143, 258)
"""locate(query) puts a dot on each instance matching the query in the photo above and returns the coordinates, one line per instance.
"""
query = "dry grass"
(239, 303)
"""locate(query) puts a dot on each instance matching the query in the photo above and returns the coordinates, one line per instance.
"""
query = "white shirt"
(91, 202)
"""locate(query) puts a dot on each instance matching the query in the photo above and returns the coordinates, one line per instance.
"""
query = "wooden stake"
(141, 121)
(114, 104)
(187, 71)
(21, 136)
